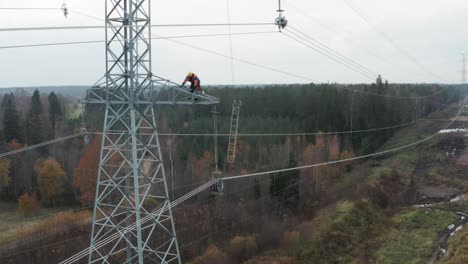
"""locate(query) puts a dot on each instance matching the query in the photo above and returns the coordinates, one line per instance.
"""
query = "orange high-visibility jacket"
(194, 80)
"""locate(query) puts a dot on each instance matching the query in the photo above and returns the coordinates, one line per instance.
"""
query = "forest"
(62, 176)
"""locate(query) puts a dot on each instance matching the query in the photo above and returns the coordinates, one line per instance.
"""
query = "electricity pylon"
(132, 209)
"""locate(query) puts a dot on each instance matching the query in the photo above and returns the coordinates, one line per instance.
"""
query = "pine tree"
(11, 120)
(379, 82)
(285, 186)
(257, 190)
(55, 110)
(2, 107)
(4, 101)
(34, 122)
(36, 106)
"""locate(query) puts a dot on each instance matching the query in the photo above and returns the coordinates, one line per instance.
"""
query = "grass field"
(10, 220)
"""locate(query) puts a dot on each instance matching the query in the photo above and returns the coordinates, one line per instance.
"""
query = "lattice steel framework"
(132, 206)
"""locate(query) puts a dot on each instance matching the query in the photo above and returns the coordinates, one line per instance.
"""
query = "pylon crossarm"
(179, 96)
(157, 92)
(168, 92)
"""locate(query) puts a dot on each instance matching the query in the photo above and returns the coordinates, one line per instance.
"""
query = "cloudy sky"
(428, 36)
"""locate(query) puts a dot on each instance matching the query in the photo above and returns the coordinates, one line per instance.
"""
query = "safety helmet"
(190, 74)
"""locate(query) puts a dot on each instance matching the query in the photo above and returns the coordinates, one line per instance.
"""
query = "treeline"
(31, 119)
(296, 108)
(40, 173)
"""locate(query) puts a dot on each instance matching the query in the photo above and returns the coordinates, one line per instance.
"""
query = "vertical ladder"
(233, 132)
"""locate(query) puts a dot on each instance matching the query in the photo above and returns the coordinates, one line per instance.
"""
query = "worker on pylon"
(194, 82)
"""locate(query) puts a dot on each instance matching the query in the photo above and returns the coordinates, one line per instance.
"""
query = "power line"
(292, 74)
(327, 55)
(333, 30)
(334, 52)
(19, 29)
(52, 44)
(391, 40)
(168, 37)
(81, 13)
(240, 60)
(29, 8)
(231, 49)
(39, 145)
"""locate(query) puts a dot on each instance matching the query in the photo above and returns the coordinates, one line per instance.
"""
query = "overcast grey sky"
(432, 31)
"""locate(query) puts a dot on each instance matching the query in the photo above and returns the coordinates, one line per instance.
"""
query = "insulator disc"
(218, 186)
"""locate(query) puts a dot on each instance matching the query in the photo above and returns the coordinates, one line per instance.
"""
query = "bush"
(243, 247)
(348, 236)
(271, 235)
(290, 242)
(62, 224)
(212, 255)
(151, 203)
(271, 260)
(28, 204)
(308, 231)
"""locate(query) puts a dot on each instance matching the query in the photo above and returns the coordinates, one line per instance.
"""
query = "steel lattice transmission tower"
(132, 209)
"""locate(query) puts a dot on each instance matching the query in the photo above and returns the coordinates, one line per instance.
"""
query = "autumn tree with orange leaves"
(85, 175)
(50, 177)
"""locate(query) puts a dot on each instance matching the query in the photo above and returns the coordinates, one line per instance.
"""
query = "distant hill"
(75, 91)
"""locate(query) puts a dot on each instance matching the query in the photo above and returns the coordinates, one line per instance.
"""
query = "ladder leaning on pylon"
(233, 132)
